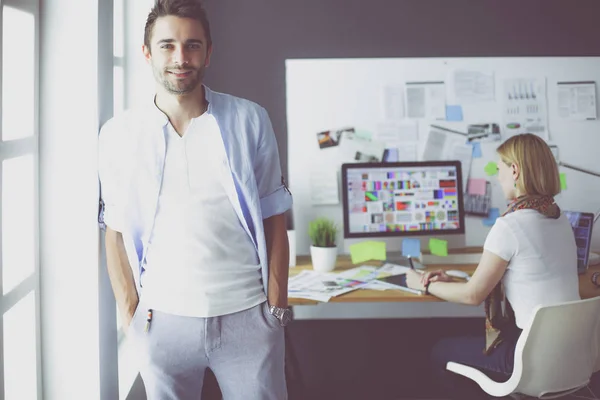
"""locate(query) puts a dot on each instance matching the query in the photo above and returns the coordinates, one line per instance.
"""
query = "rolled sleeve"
(275, 197)
(110, 177)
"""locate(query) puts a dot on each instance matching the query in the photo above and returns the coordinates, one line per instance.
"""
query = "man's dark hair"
(178, 8)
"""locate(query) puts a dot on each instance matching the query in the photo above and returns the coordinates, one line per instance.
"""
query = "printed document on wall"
(443, 145)
(525, 107)
(323, 186)
(577, 100)
(472, 86)
(426, 100)
(393, 102)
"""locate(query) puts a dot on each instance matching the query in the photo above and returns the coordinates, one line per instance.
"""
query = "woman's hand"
(414, 281)
(435, 276)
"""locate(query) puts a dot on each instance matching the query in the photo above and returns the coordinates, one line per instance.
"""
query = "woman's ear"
(516, 172)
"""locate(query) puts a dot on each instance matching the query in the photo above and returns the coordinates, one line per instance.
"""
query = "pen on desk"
(411, 263)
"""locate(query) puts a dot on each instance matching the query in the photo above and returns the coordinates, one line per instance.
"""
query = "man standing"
(194, 180)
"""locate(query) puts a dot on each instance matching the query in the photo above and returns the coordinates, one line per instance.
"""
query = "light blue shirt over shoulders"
(131, 159)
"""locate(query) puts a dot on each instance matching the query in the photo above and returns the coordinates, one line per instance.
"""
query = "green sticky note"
(369, 250)
(438, 247)
(491, 168)
(563, 181)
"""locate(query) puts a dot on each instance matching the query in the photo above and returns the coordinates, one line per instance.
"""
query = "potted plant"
(323, 251)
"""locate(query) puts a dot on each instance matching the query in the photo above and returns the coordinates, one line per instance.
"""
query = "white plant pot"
(323, 258)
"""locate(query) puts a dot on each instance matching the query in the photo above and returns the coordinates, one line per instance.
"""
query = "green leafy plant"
(322, 232)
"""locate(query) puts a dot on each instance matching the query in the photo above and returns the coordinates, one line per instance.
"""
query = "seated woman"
(530, 250)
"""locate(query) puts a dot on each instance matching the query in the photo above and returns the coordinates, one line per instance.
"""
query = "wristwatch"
(284, 315)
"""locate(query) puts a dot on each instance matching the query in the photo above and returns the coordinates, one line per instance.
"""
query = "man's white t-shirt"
(200, 262)
(542, 256)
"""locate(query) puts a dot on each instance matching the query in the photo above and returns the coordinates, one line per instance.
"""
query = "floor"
(367, 360)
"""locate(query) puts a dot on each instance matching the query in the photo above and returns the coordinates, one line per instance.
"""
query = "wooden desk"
(586, 288)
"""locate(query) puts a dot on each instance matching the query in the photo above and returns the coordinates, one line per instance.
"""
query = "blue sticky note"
(476, 149)
(454, 113)
(492, 217)
(411, 247)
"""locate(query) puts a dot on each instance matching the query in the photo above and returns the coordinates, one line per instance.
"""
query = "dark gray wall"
(253, 38)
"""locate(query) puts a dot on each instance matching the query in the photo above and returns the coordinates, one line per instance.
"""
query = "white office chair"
(555, 355)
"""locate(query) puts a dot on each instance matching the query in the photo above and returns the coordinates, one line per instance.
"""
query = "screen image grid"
(406, 199)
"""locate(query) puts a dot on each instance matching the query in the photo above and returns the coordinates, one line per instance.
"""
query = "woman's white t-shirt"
(542, 260)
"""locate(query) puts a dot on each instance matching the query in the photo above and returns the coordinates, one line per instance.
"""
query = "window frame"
(9, 150)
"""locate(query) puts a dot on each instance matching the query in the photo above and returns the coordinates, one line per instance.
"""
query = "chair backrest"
(559, 349)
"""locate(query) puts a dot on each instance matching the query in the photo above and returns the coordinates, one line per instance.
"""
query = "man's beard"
(179, 87)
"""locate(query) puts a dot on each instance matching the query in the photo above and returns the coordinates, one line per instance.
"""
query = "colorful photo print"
(331, 138)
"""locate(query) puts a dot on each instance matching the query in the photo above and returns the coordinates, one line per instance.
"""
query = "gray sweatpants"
(245, 351)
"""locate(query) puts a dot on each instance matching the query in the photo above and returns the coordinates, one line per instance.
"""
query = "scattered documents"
(359, 149)
(524, 107)
(443, 145)
(426, 100)
(393, 102)
(577, 100)
(368, 250)
(324, 186)
(473, 86)
(438, 247)
(400, 140)
(320, 286)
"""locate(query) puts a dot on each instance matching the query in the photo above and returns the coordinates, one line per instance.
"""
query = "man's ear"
(147, 53)
(208, 54)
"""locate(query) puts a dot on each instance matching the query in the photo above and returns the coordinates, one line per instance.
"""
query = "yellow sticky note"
(369, 250)
(563, 181)
(438, 247)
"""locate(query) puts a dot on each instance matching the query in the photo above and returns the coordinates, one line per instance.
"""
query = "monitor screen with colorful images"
(582, 224)
(402, 199)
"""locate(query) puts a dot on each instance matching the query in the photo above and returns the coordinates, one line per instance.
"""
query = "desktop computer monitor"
(402, 199)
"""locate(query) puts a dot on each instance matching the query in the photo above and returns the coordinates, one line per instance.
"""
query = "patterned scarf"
(499, 315)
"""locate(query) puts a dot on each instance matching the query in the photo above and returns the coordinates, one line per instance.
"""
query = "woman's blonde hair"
(539, 172)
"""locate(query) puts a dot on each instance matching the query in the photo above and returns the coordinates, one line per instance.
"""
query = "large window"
(19, 266)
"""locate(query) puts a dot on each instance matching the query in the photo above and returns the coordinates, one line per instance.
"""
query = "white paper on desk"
(320, 283)
(471, 86)
(378, 285)
(393, 102)
(358, 149)
(441, 145)
(309, 296)
(391, 269)
(363, 273)
(577, 100)
(426, 100)
(324, 186)
(525, 107)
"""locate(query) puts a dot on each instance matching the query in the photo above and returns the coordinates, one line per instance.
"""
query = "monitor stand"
(396, 257)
